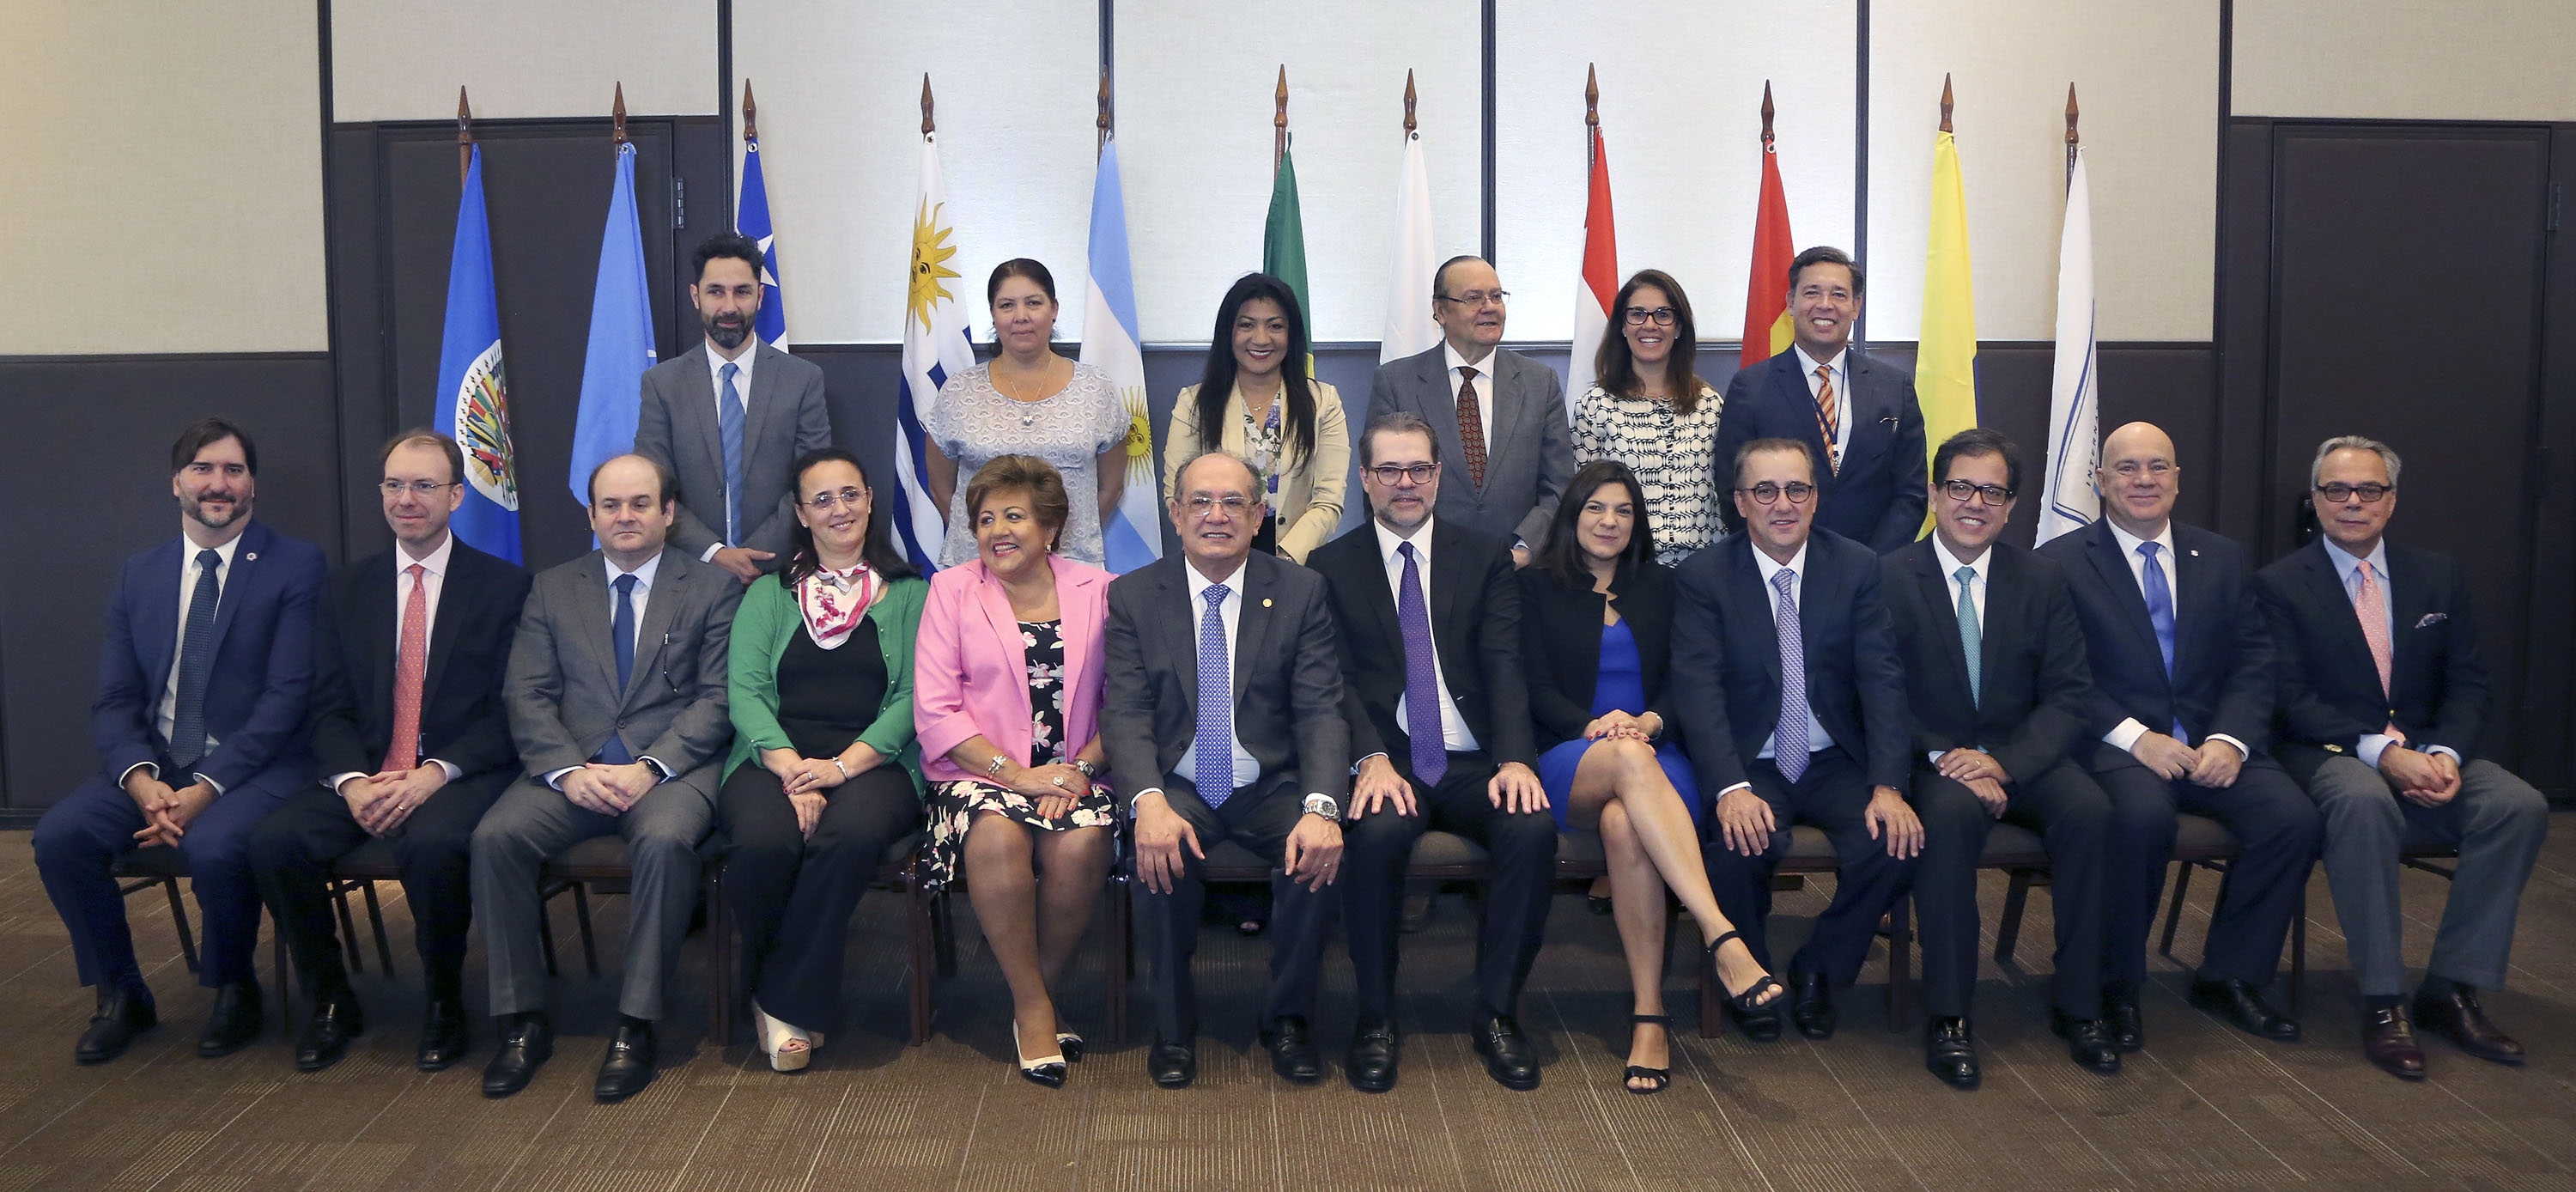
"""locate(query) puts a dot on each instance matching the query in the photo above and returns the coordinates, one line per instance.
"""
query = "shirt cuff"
(1355, 766)
(452, 770)
(332, 783)
(2241, 751)
(1934, 757)
(2371, 746)
(554, 778)
(2124, 735)
(664, 771)
(1151, 790)
(211, 784)
(2448, 752)
(151, 768)
(1741, 786)
(710, 556)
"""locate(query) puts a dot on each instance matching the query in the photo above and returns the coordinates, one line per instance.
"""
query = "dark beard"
(728, 338)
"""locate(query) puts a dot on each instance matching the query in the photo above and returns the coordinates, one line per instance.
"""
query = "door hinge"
(680, 205)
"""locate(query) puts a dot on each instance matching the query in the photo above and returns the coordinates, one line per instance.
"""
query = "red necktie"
(411, 673)
(1471, 425)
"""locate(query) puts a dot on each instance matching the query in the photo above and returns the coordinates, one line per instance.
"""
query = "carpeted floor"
(2202, 1107)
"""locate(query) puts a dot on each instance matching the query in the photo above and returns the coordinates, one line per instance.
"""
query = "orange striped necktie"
(1827, 417)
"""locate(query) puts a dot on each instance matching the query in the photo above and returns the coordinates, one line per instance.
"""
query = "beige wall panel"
(403, 59)
(2406, 59)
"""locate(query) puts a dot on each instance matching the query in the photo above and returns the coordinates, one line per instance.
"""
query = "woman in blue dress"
(1597, 615)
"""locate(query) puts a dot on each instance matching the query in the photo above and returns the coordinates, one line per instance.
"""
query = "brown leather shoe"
(2457, 1017)
(2388, 1039)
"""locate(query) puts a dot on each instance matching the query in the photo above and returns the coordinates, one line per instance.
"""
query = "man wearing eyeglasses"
(1858, 418)
(1792, 704)
(411, 743)
(1994, 668)
(2382, 702)
(2181, 708)
(1500, 417)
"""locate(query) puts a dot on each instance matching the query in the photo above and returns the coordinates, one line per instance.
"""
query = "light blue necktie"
(1789, 741)
(1215, 742)
(196, 665)
(1972, 637)
(729, 428)
(2160, 613)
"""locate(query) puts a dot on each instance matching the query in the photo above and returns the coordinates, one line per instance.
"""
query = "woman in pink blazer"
(1006, 698)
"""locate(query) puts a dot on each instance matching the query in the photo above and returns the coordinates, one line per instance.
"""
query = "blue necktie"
(196, 661)
(1421, 678)
(729, 428)
(1972, 636)
(1789, 741)
(2160, 613)
(621, 637)
(1215, 741)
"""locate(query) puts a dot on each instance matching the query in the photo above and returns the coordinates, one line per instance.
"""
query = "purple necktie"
(1789, 740)
(1215, 742)
(1421, 677)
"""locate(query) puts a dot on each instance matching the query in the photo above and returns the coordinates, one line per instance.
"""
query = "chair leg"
(581, 918)
(2173, 909)
(719, 961)
(943, 934)
(349, 945)
(285, 979)
(1900, 959)
(2016, 897)
(1122, 924)
(179, 920)
(2298, 950)
(1708, 1002)
(922, 931)
(376, 923)
(546, 928)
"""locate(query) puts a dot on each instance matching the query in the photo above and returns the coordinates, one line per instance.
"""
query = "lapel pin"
(252, 557)
(2195, 554)
(1265, 602)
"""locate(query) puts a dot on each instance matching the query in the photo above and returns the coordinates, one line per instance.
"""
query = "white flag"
(2074, 418)
(1409, 329)
(935, 348)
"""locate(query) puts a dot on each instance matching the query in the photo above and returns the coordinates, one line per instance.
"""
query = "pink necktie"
(411, 673)
(2369, 605)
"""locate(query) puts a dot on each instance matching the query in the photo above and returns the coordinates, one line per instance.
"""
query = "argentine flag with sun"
(1133, 533)
(935, 348)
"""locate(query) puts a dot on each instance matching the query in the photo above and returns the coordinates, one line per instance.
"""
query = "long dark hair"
(1563, 556)
(1218, 382)
(1616, 368)
(876, 550)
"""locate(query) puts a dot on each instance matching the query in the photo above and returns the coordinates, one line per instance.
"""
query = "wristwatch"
(1323, 805)
(1088, 770)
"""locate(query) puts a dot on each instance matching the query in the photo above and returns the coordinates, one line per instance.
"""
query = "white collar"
(1812, 364)
(2129, 542)
(1950, 563)
(1200, 583)
(1768, 568)
(716, 363)
(643, 575)
(1388, 540)
(1484, 368)
(435, 564)
(189, 550)
(2345, 561)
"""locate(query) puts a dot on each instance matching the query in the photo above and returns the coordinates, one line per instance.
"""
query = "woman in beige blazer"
(1262, 406)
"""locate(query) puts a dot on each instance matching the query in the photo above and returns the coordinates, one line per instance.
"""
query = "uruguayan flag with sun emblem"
(935, 348)
(473, 400)
(1133, 533)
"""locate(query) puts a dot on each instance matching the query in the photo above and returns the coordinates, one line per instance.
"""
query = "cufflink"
(2334, 748)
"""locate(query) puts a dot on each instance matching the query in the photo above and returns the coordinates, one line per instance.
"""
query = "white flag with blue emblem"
(2074, 408)
(1132, 536)
(935, 348)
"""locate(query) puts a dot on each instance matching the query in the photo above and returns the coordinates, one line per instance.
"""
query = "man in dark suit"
(1792, 705)
(1430, 620)
(411, 745)
(1994, 670)
(729, 418)
(1222, 721)
(2182, 704)
(1853, 413)
(2382, 702)
(1500, 414)
(199, 724)
(616, 695)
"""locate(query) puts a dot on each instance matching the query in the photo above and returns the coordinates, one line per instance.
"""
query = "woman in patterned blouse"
(1651, 412)
(1256, 401)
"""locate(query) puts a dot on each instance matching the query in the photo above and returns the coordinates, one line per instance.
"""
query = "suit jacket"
(1287, 677)
(971, 669)
(1529, 457)
(1561, 645)
(2222, 677)
(1878, 497)
(784, 418)
(462, 721)
(1475, 605)
(562, 688)
(2036, 692)
(1726, 659)
(2329, 687)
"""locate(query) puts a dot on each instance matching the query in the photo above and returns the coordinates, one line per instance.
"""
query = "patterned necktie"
(1828, 419)
(729, 428)
(1789, 742)
(1972, 636)
(2371, 605)
(2160, 614)
(621, 642)
(411, 673)
(1215, 741)
(1421, 677)
(1471, 425)
(196, 662)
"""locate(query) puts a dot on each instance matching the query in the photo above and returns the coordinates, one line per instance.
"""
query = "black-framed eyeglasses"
(823, 502)
(1961, 490)
(2340, 492)
(1474, 298)
(1799, 492)
(1392, 475)
(418, 488)
(1661, 316)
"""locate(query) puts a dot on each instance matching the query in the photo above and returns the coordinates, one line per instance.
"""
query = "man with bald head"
(2180, 712)
(616, 695)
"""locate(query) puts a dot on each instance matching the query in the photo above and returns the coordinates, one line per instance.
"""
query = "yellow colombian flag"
(1945, 365)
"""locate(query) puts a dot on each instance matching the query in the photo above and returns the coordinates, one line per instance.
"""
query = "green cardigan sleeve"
(768, 619)
(898, 619)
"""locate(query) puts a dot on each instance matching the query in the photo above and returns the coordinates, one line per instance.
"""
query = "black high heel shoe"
(1663, 1077)
(1047, 1070)
(1750, 1000)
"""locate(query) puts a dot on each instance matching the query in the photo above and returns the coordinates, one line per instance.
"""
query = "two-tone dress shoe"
(2086, 1042)
(1172, 1065)
(1811, 1005)
(1508, 1057)
(1370, 1064)
(444, 1037)
(527, 1042)
(2388, 1040)
(336, 1020)
(2240, 1003)
(2457, 1017)
(1950, 1052)
(124, 1011)
(1292, 1051)
(2120, 1016)
(234, 1021)
(628, 1065)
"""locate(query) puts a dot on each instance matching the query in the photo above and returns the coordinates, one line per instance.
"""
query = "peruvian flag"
(1766, 287)
(1600, 281)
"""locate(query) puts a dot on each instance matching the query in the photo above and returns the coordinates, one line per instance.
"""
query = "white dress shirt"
(433, 580)
(1247, 772)
(1484, 387)
(1840, 365)
(2125, 734)
(1818, 740)
(742, 397)
(642, 596)
(1950, 566)
(165, 716)
(1454, 734)
(2348, 565)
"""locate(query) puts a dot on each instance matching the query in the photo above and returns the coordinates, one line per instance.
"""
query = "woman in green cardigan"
(824, 773)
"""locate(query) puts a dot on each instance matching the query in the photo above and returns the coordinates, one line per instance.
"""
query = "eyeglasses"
(1961, 490)
(823, 502)
(1392, 475)
(1661, 316)
(1799, 492)
(2128, 469)
(418, 488)
(1201, 504)
(2344, 492)
(1475, 298)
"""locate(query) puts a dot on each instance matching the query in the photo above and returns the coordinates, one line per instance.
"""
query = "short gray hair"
(2387, 455)
(1216, 453)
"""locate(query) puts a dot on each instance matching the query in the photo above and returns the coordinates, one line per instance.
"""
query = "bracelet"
(994, 770)
(845, 770)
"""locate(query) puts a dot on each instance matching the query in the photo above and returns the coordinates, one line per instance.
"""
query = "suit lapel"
(762, 399)
(461, 584)
(156, 622)
(2000, 630)
(1753, 593)
(1076, 599)
(1252, 624)
(1181, 633)
(671, 585)
(2407, 603)
(1442, 603)
(590, 619)
(2198, 606)
(1004, 625)
(1441, 409)
(1864, 444)
(1935, 589)
(2326, 586)
(700, 410)
(1790, 382)
(236, 585)
(2114, 570)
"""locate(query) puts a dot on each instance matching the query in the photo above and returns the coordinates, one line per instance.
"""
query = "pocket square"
(2432, 619)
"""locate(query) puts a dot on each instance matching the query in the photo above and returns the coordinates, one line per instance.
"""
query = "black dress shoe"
(1508, 1058)
(527, 1042)
(2086, 1042)
(1950, 1053)
(2457, 1017)
(2120, 1017)
(444, 1037)
(628, 1066)
(336, 1020)
(234, 1022)
(124, 1011)
(1761, 1026)
(2388, 1040)
(2240, 1003)
(1292, 1051)
(1371, 1062)
(1811, 1005)
(1172, 1065)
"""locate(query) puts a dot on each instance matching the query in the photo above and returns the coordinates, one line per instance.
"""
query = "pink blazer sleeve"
(941, 662)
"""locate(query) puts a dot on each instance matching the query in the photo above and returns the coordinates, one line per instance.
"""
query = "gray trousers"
(2498, 822)
(533, 822)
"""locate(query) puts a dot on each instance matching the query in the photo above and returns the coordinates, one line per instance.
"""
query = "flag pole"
(1591, 111)
(1279, 122)
(1409, 126)
(1105, 119)
(926, 126)
(750, 117)
(1767, 110)
(464, 136)
(1945, 103)
(2070, 134)
(617, 119)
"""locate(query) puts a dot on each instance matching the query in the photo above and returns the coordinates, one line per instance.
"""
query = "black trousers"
(2073, 817)
(1831, 795)
(1522, 846)
(2271, 817)
(793, 897)
(292, 851)
(1258, 819)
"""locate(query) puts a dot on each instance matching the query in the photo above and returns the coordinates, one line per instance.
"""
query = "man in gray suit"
(728, 418)
(1500, 414)
(1263, 765)
(616, 695)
